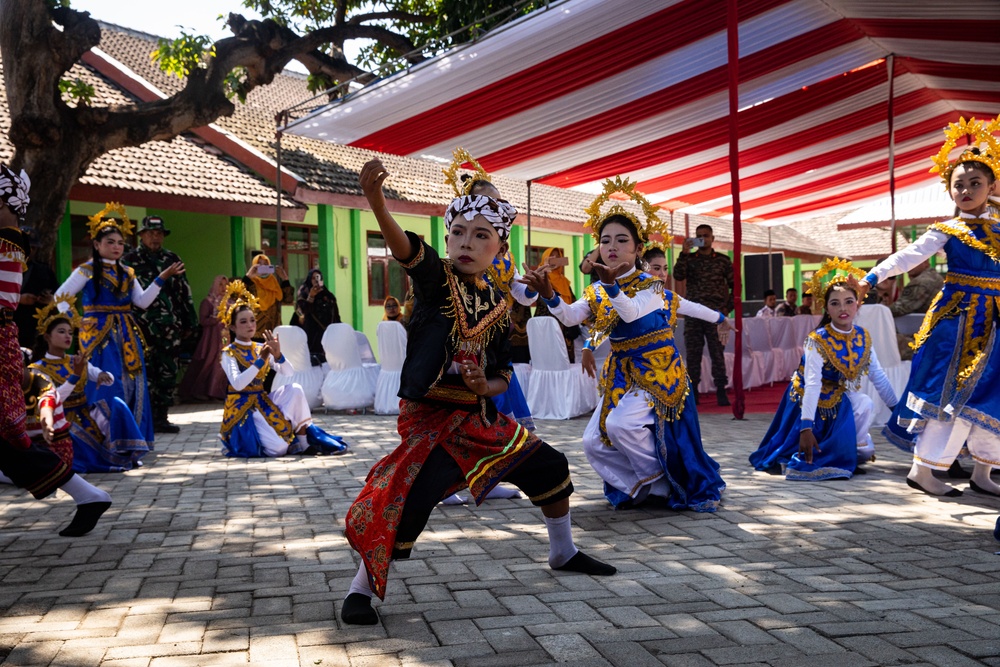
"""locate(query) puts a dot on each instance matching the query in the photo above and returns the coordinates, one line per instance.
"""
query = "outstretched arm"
(373, 174)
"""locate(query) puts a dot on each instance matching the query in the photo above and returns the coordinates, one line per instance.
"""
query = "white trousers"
(631, 465)
(864, 413)
(291, 400)
(941, 442)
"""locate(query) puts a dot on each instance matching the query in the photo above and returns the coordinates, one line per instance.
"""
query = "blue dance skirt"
(96, 451)
(692, 475)
(133, 390)
(838, 455)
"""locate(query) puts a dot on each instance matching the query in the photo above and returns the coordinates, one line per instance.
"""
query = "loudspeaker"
(755, 270)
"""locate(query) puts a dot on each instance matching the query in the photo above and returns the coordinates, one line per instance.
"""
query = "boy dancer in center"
(458, 358)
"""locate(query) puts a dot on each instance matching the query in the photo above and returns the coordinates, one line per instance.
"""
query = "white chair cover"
(295, 348)
(392, 351)
(759, 334)
(368, 361)
(783, 338)
(347, 385)
(753, 364)
(558, 389)
(523, 373)
(877, 320)
(909, 324)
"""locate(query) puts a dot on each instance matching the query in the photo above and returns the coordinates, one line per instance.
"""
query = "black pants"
(36, 469)
(543, 477)
(696, 332)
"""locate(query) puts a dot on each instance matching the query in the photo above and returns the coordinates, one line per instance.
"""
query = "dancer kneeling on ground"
(105, 435)
(644, 439)
(821, 428)
(255, 423)
(458, 357)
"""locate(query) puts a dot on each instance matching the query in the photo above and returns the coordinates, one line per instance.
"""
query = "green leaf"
(77, 91)
(183, 55)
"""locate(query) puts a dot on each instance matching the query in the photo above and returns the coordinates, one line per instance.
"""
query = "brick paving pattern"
(205, 560)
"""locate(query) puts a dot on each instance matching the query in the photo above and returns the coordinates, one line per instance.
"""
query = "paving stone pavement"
(205, 560)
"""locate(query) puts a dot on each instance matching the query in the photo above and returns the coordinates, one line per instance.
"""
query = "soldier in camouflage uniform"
(709, 281)
(169, 324)
(925, 283)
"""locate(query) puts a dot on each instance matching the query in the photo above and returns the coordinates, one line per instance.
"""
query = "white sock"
(503, 492)
(4, 479)
(454, 499)
(360, 583)
(84, 492)
(561, 547)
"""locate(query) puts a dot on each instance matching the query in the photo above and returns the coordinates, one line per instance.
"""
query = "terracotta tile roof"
(862, 243)
(334, 168)
(182, 167)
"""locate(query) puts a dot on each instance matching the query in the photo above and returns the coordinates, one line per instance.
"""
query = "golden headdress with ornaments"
(817, 286)
(984, 147)
(453, 177)
(234, 296)
(46, 315)
(102, 220)
(596, 218)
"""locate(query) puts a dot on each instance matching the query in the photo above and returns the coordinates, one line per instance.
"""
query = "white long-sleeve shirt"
(239, 379)
(917, 252)
(814, 380)
(630, 309)
(77, 280)
(520, 291)
(66, 388)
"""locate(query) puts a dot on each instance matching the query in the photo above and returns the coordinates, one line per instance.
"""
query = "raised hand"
(608, 274)
(272, 344)
(860, 287)
(79, 364)
(172, 270)
(724, 329)
(537, 280)
(373, 174)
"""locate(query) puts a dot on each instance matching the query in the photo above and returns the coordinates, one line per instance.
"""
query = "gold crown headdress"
(100, 221)
(453, 177)
(595, 218)
(817, 287)
(235, 295)
(986, 145)
(46, 315)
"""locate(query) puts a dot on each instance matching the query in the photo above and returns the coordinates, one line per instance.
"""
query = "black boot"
(721, 395)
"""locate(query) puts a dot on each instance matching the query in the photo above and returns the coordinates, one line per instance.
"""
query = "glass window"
(385, 275)
(299, 251)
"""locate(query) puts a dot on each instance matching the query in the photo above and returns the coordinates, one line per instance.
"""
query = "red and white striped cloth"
(12, 262)
(33, 423)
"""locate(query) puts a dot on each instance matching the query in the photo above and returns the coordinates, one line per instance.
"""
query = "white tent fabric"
(654, 107)
(557, 389)
(295, 347)
(877, 320)
(392, 351)
(347, 385)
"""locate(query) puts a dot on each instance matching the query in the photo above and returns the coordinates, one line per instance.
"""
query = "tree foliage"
(58, 130)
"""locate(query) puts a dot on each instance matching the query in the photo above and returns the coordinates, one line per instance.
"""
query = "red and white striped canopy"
(587, 89)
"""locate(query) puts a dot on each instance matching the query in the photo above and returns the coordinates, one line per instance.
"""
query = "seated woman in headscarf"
(315, 310)
(560, 284)
(271, 287)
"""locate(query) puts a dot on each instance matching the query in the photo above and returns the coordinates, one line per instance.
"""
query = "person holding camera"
(709, 281)
(271, 287)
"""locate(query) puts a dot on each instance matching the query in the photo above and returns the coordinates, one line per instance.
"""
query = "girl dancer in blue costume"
(644, 438)
(105, 435)
(254, 422)
(109, 337)
(951, 399)
(821, 428)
